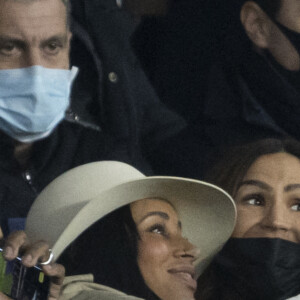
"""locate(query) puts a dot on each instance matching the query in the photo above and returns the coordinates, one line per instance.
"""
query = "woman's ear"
(256, 24)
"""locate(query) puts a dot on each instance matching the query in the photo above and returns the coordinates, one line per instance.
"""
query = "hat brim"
(207, 213)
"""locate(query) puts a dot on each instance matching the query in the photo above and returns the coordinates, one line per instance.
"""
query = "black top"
(70, 145)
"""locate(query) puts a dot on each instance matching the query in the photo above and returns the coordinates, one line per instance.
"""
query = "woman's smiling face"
(165, 257)
(268, 199)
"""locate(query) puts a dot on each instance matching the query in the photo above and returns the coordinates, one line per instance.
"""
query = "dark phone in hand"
(21, 283)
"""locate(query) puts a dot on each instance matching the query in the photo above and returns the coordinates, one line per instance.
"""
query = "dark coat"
(250, 101)
(111, 90)
(177, 51)
(70, 145)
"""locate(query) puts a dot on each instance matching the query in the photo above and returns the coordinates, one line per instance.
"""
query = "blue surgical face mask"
(33, 101)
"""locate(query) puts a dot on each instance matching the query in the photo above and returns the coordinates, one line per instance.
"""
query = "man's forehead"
(27, 1)
(66, 3)
(32, 17)
(26, 6)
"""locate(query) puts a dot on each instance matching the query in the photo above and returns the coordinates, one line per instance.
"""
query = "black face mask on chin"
(292, 77)
(260, 268)
(292, 36)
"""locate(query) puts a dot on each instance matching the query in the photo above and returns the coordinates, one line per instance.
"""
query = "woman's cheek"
(296, 228)
(248, 219)
(153, 249)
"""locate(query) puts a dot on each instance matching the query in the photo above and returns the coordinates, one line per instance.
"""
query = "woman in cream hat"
(147, 243)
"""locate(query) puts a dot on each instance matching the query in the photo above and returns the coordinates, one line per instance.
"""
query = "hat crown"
(65, 196)
(83, 183)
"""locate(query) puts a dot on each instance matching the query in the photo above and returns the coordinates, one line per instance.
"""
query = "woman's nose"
(276, 218)
(186, 249)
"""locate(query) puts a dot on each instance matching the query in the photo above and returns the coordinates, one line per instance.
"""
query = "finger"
(13, 244)
(57, 274)
(3, 297)
(36, 253)
(54, 291)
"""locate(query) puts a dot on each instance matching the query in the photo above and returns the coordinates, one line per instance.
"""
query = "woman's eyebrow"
(155, 213)
(291, 187)
(257, 183)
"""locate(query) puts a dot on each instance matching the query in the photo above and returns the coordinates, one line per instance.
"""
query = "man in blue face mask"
(36, 142)
(35, 80)
(255, 84)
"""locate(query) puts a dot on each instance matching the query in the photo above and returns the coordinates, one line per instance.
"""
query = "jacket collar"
(41, 153)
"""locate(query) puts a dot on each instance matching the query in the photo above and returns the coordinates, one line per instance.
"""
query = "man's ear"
(69, 36)
(69, 39)
(256, 24)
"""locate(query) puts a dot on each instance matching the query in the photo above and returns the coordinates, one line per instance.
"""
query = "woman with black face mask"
(261, 261)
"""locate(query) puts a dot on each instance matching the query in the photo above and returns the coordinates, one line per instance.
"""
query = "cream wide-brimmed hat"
(81, 196)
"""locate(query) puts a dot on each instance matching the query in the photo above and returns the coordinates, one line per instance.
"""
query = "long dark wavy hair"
(108, 250)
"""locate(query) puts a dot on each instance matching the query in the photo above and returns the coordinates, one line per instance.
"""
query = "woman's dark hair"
(233, 166)
(108, 250)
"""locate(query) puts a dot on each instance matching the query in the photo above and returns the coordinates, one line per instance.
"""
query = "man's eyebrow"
(257, 183)
(63, 38)
(155, 213)
(9, 39)
(291, 187)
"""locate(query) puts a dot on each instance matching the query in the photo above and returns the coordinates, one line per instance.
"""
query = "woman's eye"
(296, 207)
(159, 229)
(255, 200)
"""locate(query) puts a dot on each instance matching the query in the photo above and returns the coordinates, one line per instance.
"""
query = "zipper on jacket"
(28, 179)
(72, 117)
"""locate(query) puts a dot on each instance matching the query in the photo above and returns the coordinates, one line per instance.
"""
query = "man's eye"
(8, 49)
(53, 48)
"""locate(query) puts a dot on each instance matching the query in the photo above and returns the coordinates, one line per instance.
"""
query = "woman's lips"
(185, 274)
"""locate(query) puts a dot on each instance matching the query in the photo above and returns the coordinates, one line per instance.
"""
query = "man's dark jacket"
(111, 90)
(250, 100)
(70, 145)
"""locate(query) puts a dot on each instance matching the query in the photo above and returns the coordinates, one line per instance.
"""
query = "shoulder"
(295, 298)
(81, 287)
